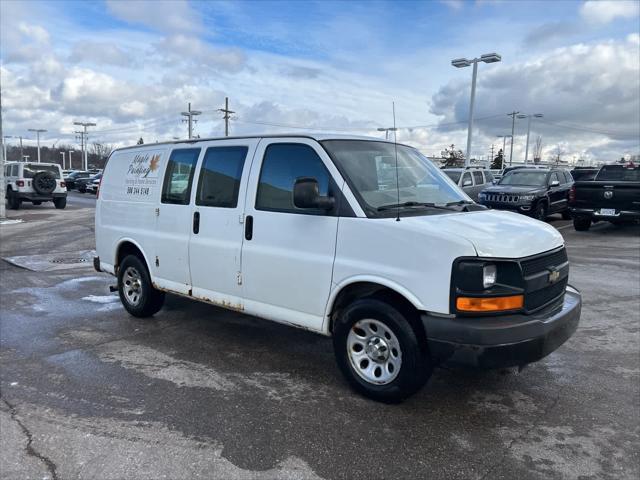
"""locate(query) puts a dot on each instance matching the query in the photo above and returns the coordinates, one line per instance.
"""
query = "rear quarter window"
(29, 170)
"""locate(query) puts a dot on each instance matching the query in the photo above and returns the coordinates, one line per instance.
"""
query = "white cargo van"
(351, 237)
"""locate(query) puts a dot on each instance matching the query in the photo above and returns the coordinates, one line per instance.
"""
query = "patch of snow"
(101, 298)
(10, 221)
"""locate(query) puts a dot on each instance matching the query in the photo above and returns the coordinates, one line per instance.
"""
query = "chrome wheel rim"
(132, 285)
(374, 351)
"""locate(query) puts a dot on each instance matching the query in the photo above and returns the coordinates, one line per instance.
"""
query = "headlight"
(489, 274)
(527, 197)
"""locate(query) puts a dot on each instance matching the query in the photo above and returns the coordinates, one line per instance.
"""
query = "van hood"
(494, 233)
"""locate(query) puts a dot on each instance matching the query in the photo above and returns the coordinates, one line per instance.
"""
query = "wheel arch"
(127, 246)
(369, 287)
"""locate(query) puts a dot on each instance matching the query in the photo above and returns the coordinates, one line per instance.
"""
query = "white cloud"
(165, 16)
(605, 11)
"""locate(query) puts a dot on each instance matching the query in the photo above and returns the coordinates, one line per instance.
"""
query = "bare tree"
(101, 150)
(453, 157)
(537, 150)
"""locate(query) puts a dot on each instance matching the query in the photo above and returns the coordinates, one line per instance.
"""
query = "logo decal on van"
(142, 174)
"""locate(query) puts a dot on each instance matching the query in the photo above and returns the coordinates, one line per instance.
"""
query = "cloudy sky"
(132, 66)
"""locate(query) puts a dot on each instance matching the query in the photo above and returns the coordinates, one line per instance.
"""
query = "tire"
(566, 215)
(582, 224)
(60, 203)
(540, 213)
(14, 200)
(141, 300)
(44, 183)
(384, 337)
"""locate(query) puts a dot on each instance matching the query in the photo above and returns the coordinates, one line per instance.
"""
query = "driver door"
(288, 252)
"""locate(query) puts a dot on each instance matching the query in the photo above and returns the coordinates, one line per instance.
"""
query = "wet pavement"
(199, 392)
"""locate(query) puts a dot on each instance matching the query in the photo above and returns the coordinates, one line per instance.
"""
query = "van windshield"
(370, 170)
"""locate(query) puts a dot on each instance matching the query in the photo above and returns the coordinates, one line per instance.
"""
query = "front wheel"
(137, 294)
(540, 213)
(378, 351)
(60, 202)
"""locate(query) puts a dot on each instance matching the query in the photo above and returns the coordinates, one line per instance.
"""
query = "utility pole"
(4, 145)
(21, 149)
(226, 116)
(491, 158)
(84, 137)
(190, 114)
(62, 153)
(70, 161)
(513, 127)
(38, 132)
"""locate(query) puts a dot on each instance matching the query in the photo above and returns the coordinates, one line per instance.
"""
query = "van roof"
(313, 136)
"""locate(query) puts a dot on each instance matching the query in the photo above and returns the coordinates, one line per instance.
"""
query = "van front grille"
(544, 262)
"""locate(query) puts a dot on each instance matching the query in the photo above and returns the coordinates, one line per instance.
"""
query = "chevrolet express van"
(351, 237)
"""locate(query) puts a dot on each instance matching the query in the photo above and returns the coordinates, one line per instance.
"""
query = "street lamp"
(386, 131)
(461, 63)
(526, 151)
(38, 132)
(62, 153)
(70, 162)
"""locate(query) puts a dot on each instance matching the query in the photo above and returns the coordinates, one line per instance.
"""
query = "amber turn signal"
(491, 304)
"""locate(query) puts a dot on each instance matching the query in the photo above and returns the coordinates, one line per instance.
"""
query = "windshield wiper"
(460, 202)
(413, 204)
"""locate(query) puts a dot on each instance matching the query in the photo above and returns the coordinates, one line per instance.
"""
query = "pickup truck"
(613, 196)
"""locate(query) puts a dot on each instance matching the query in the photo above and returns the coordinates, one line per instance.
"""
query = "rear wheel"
(60, 202)
(582, 224)
(136, 291)
(378, 351)
(14, 200)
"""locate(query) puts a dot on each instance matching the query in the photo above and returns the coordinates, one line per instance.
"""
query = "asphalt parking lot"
(196, 392)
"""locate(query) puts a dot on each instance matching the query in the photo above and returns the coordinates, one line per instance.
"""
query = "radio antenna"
(395, 147)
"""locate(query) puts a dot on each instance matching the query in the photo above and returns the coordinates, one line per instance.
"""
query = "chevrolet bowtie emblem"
(554, 275)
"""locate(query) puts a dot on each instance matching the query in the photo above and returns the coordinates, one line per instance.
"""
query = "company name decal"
(142, 174)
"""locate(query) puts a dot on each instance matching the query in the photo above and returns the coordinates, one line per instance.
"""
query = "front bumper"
(503, 341)
(595, 214)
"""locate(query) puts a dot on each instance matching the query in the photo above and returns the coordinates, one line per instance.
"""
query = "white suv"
(35, 183)
(350, 237)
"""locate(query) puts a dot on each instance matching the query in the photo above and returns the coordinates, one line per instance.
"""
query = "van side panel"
(129, 194)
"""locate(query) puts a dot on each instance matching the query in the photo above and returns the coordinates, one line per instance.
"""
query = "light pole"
(526, 151)
(4, 145)
(70, 162)
(85, 137)
(463, 62)
(38, 132)
(62, 153)
(386, 131)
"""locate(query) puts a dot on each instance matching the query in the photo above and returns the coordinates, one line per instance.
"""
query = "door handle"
(196, 222)
(248, 227)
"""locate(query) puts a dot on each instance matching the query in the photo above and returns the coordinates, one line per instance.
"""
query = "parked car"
(471, 180)
(584, 173)
(93, 186)
(535, 192)
(305, 230)
(613, 196)
(35, 183)
(81, 183)
(75, 175)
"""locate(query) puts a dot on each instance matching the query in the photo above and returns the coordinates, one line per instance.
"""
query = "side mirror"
(306, 194)
(554, 183)
(467, 183)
